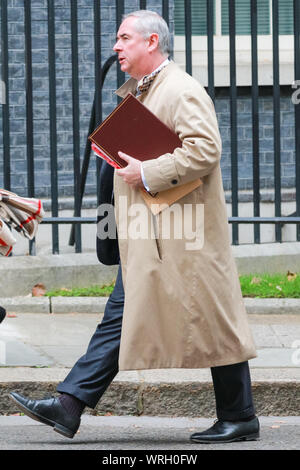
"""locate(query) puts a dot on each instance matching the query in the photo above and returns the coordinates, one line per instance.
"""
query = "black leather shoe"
(228, 431)
(2, 314)
(49, 411)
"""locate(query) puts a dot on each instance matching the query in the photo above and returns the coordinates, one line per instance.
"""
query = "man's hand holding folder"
(131, 174)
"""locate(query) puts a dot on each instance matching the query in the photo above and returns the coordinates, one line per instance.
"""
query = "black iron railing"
(80, 167)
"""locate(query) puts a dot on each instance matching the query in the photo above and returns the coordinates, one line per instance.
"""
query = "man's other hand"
(131, 174)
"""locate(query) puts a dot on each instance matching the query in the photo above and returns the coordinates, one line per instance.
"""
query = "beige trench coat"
(183, 303)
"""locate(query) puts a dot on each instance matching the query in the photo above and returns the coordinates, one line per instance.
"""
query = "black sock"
(73, 405)
(249, 418)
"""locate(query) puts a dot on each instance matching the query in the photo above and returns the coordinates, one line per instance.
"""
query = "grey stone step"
(29, 304)
(37, 351)
(186, 393)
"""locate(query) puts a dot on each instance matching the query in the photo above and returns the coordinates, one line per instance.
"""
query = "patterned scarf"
(21, 213)
(144, 84)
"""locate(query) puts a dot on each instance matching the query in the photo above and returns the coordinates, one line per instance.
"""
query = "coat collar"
(130, 85)
(127, 87)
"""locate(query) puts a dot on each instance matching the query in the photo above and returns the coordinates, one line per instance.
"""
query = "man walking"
(172, 306)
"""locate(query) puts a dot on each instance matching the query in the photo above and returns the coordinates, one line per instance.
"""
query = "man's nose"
(117, 46)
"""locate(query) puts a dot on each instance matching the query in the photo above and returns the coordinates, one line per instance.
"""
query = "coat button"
(174, 181)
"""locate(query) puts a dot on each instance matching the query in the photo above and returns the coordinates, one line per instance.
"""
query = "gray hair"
(150, 22)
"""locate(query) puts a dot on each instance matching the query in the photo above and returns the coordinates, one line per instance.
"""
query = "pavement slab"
(37, 351)
(114, 433)
(60, 339)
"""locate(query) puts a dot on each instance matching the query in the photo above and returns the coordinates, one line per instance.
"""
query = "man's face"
(132, 49)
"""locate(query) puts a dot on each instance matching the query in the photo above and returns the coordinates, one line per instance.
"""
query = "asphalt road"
(109, 434)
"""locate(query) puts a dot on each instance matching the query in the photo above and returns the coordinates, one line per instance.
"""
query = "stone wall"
(40, 71)
(266, 137)
(17, 102)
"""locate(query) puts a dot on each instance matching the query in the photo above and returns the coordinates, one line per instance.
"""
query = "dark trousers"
(95, 370)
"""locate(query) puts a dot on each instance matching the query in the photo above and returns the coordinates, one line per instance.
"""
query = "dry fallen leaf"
(38, 290)
(255, 280)
(291, 276)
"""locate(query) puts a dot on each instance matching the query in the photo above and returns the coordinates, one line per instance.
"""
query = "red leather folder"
(133, 129)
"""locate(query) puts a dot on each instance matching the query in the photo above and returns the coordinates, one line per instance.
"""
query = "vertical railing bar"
(98, 88)
(210, 48)
(53, 130)
(297, 106)
(29, 109)
(96, 114)
(166, 16)
(76, 130)
(5, 105)
(87, 151)
(165, 11)
(255, 119)
(119, 14)
(233, 120)
(276, 117)
(85, 167)
(188, 35)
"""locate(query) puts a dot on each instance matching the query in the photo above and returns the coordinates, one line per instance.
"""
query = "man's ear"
(153, 42)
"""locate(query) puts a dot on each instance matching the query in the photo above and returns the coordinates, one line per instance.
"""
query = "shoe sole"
(250, 437)
(56, 426)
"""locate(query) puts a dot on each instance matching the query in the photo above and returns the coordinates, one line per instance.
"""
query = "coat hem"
(202, 365)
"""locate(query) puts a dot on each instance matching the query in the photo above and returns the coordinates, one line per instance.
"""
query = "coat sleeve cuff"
(161, 173)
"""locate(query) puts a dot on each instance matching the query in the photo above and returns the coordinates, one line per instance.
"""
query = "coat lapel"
(127, 87)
